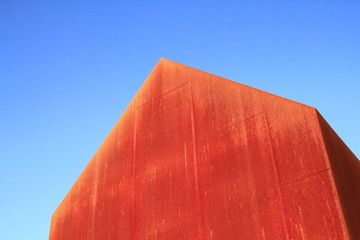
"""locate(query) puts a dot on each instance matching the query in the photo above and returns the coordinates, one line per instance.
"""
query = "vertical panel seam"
(277, 175)
(197, 191)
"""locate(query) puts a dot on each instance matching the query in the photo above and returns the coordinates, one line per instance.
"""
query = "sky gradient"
(68, 69)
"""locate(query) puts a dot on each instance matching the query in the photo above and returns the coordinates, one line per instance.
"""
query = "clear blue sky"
(68, 69)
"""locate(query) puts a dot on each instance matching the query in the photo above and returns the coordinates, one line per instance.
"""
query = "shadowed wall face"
(196, 156)
(346, 171)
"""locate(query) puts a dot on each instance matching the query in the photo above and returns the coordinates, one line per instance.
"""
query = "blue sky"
(68, 69)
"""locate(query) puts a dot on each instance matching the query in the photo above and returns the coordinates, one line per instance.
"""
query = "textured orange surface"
(196, 156)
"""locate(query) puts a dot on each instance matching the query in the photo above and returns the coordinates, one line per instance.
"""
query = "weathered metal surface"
(196, 156)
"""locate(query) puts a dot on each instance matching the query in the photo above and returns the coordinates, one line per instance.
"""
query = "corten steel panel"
(196, 156)
(309, 208)
(165, 180)
(240, 183)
